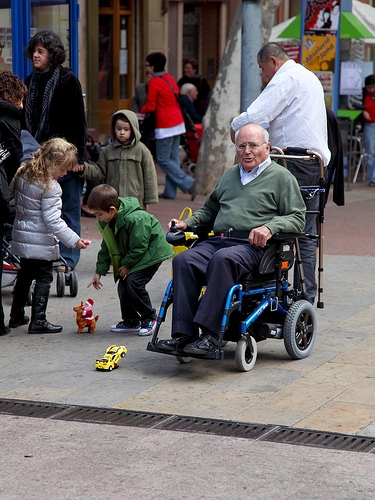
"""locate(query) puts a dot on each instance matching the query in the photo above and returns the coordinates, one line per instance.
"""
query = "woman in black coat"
(54, 108)
(12, 94)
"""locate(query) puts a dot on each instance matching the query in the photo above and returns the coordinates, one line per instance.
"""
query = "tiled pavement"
(332, 390)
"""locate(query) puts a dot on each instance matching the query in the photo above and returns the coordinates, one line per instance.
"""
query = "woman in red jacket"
(162, 98)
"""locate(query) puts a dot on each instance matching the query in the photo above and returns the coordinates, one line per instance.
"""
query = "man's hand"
(95, 282)
(180, 224)
(259, 236)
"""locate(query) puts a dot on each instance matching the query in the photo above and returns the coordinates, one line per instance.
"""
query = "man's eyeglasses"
(251, 145)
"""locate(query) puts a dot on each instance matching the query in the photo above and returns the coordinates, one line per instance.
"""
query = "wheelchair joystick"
(175, 236)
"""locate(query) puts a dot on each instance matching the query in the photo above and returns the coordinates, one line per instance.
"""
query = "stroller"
(190, 142)
(11, 266)
(11, 263)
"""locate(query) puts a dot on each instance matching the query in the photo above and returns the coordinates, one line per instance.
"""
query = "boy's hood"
(133, 120)
(127, 206)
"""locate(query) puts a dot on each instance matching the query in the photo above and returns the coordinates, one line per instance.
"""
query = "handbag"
(147, 129)
(148, 124)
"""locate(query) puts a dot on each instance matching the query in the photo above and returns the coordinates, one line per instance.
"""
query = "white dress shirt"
(247, 177)
(293, 110)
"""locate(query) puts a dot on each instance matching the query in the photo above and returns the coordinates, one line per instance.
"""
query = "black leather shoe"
(203, 345)
(193, 191)
(43, 326)
(4, 331)
(165, 197)
(173, 344)
(14, 322)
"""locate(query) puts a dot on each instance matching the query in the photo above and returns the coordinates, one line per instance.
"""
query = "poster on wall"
(293, 51)
(351, 78)
(322, 17)
(319, 42)
(318, 52)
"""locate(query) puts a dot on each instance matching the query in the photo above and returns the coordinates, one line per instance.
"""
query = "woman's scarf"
(38, 125)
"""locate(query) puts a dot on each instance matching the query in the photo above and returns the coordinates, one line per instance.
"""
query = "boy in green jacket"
(134, 243)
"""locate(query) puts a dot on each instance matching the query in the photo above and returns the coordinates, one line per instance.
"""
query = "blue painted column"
(20, 36)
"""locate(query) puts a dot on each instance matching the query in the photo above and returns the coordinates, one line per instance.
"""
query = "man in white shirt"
(293, 110)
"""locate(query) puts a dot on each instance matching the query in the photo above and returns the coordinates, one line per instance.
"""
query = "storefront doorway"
(115, 58)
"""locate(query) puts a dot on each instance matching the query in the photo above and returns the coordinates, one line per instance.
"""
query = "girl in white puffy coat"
(38, 228)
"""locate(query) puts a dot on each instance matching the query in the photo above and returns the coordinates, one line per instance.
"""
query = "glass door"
(5, 37)
(53, 16)
(20, 19)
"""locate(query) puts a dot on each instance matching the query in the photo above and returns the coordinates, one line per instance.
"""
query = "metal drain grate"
(322, 439)
(260, 432)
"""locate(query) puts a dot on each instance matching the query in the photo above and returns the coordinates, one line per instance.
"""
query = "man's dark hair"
(272, 49)
(157, 60)
(103, 197)
(370, 80)
(50, 41)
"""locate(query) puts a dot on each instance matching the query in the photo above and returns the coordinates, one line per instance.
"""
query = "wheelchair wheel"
(73, 284)
(60, 284)
(183, 360)
(246, 354)
(300, 329)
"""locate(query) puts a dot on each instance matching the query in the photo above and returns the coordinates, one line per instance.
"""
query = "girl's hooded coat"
(129, 169)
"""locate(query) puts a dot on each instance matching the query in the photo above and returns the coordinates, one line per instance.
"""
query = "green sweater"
(272, 199)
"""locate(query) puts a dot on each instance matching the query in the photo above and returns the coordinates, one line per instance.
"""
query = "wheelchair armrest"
(286, 236)
(201, 230)
(177, 237)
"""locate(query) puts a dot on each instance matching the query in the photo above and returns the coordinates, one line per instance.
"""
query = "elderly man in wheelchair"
(216, 290)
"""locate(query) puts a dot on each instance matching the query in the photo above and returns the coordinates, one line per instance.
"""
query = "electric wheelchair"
(265, 305)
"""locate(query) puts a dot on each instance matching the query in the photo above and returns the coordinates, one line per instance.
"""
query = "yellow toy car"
(111, 357)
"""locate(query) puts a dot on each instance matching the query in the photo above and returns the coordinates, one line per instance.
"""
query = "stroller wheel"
(60, 284)
(73, 284)
(191, 167)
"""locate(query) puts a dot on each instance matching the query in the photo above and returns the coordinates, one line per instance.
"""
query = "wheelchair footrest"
(214, 354)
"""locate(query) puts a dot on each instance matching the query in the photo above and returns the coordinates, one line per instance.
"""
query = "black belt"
(233, 234)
